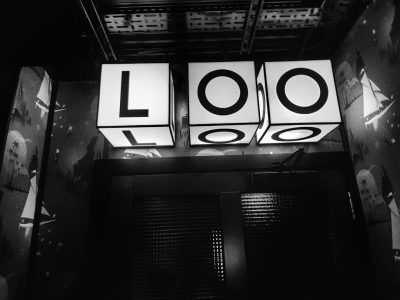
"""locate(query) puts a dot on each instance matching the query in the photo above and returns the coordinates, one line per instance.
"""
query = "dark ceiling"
(72, 37)
(50, 32)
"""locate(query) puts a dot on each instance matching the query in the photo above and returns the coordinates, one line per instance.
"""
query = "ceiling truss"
(195, 29)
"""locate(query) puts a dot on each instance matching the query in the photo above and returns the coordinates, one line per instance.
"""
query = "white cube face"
(134, 95)
(222, 93)
(262, 103)
(302, 92)
(138, 137)
(283, 134)
(222, 135)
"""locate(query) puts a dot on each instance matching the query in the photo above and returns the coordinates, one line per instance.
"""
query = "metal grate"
(126, 23)
(211, 20)
(177, 250)
(289, 18)
(263, 214)
(287, 243)
(215, 20)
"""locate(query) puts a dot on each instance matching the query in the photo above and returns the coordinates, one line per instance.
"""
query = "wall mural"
(75, 145)
(367, 68)
(19, 177)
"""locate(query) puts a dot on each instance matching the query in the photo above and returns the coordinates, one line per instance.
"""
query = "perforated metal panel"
(263, 214)
(211, 20)
(289, 18)
(177, 250)
(126, 23)
(215, 20)
(287, 246)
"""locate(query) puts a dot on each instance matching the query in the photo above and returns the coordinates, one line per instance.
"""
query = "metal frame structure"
(252, 19)
(181, 31)
(280, 176)
(94, 19)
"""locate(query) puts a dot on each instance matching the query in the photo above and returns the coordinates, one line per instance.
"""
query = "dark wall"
(367, 71)
(8, 83)
(75, 144)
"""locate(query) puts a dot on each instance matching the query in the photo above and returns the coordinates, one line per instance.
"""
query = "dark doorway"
(288, 247)
(232, 234)
(177, 247)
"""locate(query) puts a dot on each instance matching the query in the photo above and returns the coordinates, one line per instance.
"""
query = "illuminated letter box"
(136, 105)
(298, 101)
(223, 106)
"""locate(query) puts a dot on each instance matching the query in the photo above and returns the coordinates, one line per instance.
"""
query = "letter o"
(222, 111)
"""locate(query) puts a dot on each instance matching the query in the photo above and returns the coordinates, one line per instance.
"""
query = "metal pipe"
(103, 29)
(94, 29)
(254, 28)
(246, 26)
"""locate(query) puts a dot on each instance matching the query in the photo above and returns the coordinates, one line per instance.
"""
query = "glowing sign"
(298, 101)
(288, 102)
(223, 106)
(136, 105)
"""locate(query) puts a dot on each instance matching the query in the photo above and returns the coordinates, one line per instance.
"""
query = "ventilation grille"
(287, 246)
(215, 21)
(210, 21)
(289, 18)
(177, 250)
(263, 217)
(127, 23)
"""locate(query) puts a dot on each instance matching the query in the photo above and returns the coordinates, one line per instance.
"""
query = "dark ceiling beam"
(169, 6)
(96, 23)
(247, 24)
(143, 6)
(277, 34)
(208, 55)
(201, 46)
(177, 55)
(250, 41)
